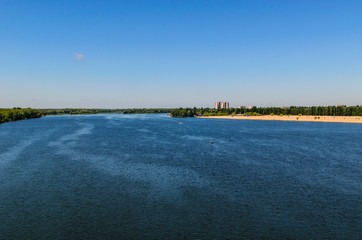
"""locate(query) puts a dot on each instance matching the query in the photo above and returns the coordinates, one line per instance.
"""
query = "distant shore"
(339, 119)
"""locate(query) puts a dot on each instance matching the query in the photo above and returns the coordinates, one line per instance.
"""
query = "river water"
(115, 176)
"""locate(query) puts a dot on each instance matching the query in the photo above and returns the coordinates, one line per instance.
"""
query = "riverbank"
(16, 114)
(340, 119)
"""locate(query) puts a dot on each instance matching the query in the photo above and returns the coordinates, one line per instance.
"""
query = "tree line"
(293, 110)
(9, 115)
(100, 110)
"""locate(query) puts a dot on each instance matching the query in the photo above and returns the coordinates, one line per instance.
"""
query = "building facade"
(221, 105)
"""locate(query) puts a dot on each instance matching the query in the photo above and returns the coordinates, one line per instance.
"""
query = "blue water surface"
(115, 176)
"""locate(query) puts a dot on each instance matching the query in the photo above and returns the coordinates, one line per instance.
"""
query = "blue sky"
(116, 54)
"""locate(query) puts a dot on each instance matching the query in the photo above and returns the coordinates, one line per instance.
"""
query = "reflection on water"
(114, 176)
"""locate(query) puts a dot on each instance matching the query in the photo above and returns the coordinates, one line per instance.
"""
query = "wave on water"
(143, 130)
(165, 181)
(86, 129)
(14, 152)
(135, 116)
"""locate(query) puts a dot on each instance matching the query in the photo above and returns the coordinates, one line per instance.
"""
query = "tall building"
(221, 105)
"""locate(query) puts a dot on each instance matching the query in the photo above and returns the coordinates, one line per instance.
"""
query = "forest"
(17, 113)
(98, 111)
(293, 110)
(9, 115)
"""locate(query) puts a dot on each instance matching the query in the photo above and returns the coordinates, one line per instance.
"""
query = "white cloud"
(78, 56)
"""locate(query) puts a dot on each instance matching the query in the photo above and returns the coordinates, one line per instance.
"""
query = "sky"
(126, 54)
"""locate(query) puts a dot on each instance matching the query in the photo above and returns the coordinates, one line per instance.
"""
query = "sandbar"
(336, 119)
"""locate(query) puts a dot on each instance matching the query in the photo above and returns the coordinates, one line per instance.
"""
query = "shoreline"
(295, 118)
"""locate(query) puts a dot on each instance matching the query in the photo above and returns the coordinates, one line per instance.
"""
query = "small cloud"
(78, 56)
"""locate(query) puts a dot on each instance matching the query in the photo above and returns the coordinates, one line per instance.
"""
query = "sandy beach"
(339, 119)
